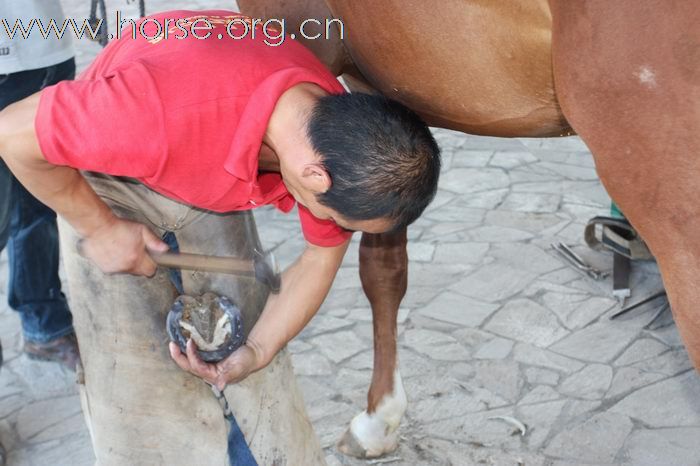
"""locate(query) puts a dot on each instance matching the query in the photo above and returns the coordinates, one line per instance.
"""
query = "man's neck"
(285, 138)
(267, 159)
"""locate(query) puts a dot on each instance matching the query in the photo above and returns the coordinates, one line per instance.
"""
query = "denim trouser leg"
(5, 188)
(34, 288)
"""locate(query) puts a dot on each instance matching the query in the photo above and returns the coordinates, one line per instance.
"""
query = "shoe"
(63, 350)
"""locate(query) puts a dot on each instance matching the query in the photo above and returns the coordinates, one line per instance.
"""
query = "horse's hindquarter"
(631, 89)
(470, 65)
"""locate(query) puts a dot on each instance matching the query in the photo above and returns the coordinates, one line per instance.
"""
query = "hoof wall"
(350, 446)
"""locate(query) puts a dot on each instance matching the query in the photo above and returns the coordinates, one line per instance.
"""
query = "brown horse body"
(624, 75)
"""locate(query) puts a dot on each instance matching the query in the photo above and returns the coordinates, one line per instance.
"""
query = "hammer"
(263, 266)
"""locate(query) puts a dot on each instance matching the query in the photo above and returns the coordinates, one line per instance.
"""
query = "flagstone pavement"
(494, 324)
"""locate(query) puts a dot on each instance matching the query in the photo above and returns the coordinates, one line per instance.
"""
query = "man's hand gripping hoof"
(234, 368)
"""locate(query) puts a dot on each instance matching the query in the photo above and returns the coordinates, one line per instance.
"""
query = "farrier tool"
(631, 307)
(263, 266)
(574, 259)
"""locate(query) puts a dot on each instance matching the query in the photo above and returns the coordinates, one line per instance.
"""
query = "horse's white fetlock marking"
(377, 433)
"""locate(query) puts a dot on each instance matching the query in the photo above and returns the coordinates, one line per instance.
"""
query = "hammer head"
(267, 270)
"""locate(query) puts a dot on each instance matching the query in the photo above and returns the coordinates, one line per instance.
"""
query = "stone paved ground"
(494, 324)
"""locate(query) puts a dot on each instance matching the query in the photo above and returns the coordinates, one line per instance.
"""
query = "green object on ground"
(615, 211)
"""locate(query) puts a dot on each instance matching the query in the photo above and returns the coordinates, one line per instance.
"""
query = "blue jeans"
(29, 230)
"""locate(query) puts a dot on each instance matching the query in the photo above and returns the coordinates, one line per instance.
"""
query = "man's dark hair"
(381, 157)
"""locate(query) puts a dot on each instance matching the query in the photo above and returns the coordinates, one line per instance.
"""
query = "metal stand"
(100, 20)
(102, 35)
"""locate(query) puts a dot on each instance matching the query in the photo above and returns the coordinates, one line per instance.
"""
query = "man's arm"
(305, 285)
(114, 244)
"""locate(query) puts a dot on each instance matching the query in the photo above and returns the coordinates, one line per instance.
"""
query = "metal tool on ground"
(574, 259)
(621, 277)
(263, 266)
(631, 307)
(654, 321)
(615, 234)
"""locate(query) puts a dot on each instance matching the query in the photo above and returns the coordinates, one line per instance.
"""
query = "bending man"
(179, 137)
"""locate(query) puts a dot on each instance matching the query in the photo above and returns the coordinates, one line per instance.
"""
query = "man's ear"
(315, 178)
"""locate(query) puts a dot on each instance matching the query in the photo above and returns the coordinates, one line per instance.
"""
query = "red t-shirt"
(186, 117)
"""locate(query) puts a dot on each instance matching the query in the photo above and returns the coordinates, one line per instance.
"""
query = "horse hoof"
(350, 446)
(213, 322)
(368, 437)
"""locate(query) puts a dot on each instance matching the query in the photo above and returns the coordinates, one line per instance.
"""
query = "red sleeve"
(323, 233)
(113, 124)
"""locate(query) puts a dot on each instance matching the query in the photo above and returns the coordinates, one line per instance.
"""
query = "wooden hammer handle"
(230, 265)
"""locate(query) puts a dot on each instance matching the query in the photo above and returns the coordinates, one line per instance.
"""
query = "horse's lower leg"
(632, 95)
(384, 272)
